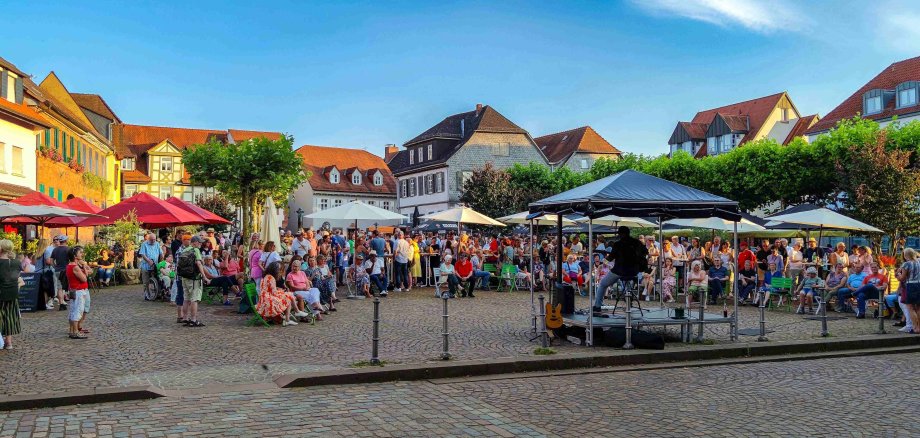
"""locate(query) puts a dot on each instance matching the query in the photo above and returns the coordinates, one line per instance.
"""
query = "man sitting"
(747, 280)
(478, 272)
(465, 278)
(872, 287)
(374, 267)
(854, 282)
(718, 278)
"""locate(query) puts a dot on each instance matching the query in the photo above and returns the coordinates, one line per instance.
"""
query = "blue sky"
(363, 74)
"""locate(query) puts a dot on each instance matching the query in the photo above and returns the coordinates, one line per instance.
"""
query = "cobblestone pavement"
(136, 342)
(828, 397)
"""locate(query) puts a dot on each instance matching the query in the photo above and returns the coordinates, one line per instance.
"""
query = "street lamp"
(300, 213)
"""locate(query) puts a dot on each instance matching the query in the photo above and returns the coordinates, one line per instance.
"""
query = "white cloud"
(759, 16)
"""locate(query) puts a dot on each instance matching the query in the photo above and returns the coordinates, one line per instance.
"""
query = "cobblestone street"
(826, 397)
(135, 342)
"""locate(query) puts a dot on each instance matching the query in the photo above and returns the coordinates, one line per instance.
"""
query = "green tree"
(881, 189)
(247, 172)
(489, 191)
(219, 205)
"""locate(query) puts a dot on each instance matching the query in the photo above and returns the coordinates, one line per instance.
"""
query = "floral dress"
(669, 282)
(326, 286)
(273, 301)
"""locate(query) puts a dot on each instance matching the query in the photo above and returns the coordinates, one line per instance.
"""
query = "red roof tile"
(12, 191)
(560, 146)
(241, 135)
(887, 79)
(135, 177)
(23, 112)
(319, 161)
(96, 104)
(801, 125)
(756, 110)
(181, 137)
(696, 131)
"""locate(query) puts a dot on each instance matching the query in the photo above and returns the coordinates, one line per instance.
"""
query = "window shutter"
(419, 183)
(3, 79)
(18, 90)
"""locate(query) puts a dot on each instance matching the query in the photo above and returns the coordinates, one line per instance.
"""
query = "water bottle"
(724, 310)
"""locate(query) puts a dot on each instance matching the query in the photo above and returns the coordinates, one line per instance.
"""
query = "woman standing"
(909, 276)
(269, 255)
(415, 264)
(255, 253)
(9, 294)
(840, 256)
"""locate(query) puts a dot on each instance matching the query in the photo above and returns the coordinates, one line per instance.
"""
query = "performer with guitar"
(630, 258)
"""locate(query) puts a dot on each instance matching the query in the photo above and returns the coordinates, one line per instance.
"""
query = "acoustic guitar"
(553, 316)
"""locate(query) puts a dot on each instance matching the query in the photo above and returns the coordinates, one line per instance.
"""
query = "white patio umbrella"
(616, 221)
(463, 215)
(546, 219)
(355, 211)
(823, 218)
(715, 223)
(270, 227)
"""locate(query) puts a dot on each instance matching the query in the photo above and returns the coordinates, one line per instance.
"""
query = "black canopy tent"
(632, 193)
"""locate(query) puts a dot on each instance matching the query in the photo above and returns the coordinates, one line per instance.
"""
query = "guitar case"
(616, 337)
(566, 297)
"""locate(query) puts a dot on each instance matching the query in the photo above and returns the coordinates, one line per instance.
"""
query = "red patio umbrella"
(192, 208)
(78, 204)
(152, 212)
(33, 198)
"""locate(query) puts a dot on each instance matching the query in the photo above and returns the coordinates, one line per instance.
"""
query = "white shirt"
(403, 250)
(376, 266)
(268, 258)
(300, 248)
(679, 252)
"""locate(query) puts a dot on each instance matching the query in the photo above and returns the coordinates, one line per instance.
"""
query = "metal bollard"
(881, 319)
(763, 322)
(544, 337)
(446, 353)
(375, 341)
(628, 344)
(704, 298)
(824, 332)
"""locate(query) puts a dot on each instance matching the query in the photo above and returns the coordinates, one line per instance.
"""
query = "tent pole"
(533, 311)
(824, 298)
(590, 335)
(735, 281)
(558, 280)
(660, 273)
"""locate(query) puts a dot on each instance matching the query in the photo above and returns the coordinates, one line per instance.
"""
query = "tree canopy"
(247, 172)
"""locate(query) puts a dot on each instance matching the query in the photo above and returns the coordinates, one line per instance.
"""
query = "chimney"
(478, 109)
(390, 151)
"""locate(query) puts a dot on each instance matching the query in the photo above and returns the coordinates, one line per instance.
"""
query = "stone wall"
(502, 150)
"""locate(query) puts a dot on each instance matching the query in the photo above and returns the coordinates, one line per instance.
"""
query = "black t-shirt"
(749, 273)
(762, 255)
(60, 257)
(174, 247)
(809, 253)
(628, 254)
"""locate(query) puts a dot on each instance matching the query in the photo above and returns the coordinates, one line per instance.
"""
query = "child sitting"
(362, 279)
(763, 294)
(167, 271)
(806, 290)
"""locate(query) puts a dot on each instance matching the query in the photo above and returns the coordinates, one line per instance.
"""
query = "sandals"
(76, 336)
(194, 324)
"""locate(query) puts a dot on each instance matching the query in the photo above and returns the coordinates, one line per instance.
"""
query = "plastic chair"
(252, 297)
(438, 282)
(781, 286)
(508, 278)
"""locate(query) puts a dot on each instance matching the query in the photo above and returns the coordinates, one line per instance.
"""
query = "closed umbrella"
(212, 218)
(416, 217)
(270, 226)
(152, 212)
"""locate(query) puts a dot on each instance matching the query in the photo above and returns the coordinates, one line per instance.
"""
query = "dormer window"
(356, 178)
(334, 176)
(907, 93)
(378, 179)
(872, 102)
(127, 164)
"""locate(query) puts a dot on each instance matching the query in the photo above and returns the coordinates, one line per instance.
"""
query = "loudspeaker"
(616, 337)
(566, 296)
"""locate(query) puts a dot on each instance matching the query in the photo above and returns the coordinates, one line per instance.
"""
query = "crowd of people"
(298, 277)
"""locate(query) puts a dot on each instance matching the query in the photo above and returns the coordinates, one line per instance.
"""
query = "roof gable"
(756, 110)
(320, 161)
(54, 90)
(461, 126)
(801, 125)
(165, 147)
(888, 79)
(558, 147)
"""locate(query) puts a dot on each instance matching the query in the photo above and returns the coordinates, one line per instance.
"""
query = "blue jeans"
(609, 280)
(380, 281)
(402, 275)
(715, 290)
(106, 274)
(744, 291)
(484, 276)
(864, 293)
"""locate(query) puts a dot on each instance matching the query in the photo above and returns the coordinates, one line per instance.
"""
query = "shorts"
(809, 291)
(193, 289)
(79, 305)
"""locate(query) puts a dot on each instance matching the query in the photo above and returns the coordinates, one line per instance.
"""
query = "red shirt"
(876, 280)
(230, 267)
(493, 246)
(463, 268)
(73, 283)
(747, 255)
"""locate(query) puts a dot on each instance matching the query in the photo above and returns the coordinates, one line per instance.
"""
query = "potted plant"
(125, 234)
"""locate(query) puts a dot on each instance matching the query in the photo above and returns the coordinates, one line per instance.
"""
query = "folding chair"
(493, 273)
(438, 282)
(252, 299)
(783, 287)
(508, 278)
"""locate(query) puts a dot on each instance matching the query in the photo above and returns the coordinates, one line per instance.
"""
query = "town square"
(635, 218)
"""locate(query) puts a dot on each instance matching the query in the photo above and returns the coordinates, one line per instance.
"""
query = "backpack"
(186, 265)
